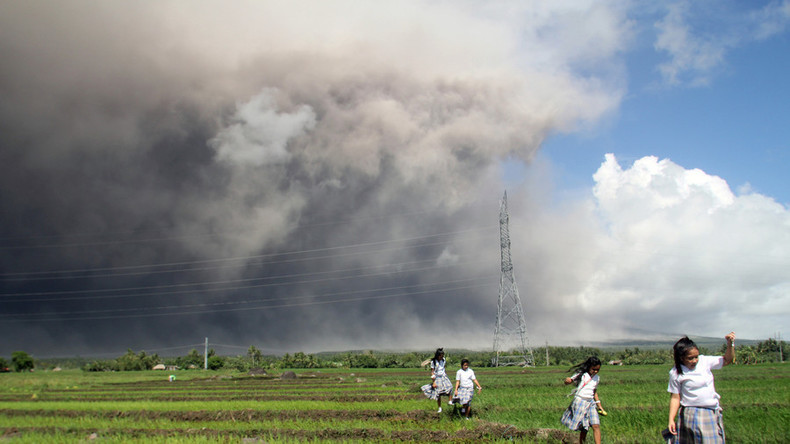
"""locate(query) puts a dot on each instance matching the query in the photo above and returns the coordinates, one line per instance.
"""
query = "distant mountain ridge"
(701, 341)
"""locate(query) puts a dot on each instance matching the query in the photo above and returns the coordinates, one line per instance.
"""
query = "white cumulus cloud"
(676, 251)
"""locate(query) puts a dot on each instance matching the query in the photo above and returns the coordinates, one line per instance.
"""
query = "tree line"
(766, 351)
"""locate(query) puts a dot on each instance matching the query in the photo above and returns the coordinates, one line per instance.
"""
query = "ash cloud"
(171, 169)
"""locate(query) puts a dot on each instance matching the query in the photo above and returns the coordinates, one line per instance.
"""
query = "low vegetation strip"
(238, 397)
(233, 415)
(483, 433)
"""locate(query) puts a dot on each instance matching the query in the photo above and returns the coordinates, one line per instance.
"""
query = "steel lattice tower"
(510, 335)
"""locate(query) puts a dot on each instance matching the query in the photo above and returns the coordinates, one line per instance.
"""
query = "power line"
(266, 307)
(389, 269)
(237, 258)
(227, 288)
(249, 301)
(246, 264)
(217, 282)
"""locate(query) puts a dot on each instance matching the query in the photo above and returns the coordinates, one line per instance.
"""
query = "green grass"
(337, 405)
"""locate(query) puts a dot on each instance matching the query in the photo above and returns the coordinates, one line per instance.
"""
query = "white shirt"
(587, 385)
(438, 368)
(696, 386)
(466, 377)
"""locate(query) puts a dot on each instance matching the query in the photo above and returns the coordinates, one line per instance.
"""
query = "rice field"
(364, 405)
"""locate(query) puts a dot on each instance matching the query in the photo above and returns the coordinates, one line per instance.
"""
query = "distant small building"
(165, 367)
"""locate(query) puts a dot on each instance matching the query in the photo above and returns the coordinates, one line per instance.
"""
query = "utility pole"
(547, 352)
(205, 356)
(511, 346)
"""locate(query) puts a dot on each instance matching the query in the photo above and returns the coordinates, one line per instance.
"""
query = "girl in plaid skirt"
(465, 381)
(693, 400)
(582, 414)
(441, 384)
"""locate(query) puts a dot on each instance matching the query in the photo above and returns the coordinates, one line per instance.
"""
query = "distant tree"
(255, 355)
(215, 362)
(363, 360)
(3, 365)
(745, 354)
(238, 363)
(22, 361)
(192, 359)
(391, 360)
(302, 360)
(479, 359)
(411, 360)
(101, 366)
(76, 362)
(773, 350)
(769, 350)
(128, 361)
(152, 360)
(134, 362)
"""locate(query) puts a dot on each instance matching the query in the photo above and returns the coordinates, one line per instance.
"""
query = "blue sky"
(692, 210)
(736, 125)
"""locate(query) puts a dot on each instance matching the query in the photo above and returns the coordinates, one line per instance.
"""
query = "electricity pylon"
(511, 345)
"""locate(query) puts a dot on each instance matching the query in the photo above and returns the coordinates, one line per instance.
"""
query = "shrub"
(22, 361)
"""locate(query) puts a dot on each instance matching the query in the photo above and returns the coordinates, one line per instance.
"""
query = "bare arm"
(674, 405)
(729, 354)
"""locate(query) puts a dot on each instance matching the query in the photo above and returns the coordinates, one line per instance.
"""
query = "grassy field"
(342, 405)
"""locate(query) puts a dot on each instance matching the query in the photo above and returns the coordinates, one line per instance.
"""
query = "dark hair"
(464, 361)
(679, 351)
(439, 351)
(584, 367)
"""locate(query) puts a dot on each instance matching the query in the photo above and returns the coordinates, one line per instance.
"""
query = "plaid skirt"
(700, 425)
(443, 387)
(465, 394)
(581, 414)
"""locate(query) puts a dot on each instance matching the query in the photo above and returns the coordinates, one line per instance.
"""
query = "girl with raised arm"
(695, 415)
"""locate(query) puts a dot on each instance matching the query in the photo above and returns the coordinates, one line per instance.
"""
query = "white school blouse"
(587, 385)
(466, 377)
(696, 387)
(438, 368)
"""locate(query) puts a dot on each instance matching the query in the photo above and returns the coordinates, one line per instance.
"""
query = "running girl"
(441, 384)
(465, 381)
(582, 414)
